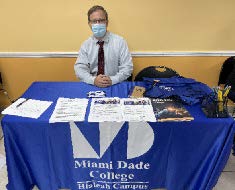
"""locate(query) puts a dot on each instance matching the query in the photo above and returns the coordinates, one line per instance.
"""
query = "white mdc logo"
(140, 139)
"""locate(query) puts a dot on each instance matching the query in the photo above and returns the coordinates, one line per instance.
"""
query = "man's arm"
(126, 65)
(82, 67)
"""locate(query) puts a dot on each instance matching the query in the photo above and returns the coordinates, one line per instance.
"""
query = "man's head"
(98, 20)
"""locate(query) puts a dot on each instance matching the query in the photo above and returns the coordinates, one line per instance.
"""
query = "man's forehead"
(98, 13)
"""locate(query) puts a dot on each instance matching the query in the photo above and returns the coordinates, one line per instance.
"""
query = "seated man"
(227, 76)
(103, 59)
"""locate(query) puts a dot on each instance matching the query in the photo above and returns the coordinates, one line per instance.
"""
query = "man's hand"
(103, 81)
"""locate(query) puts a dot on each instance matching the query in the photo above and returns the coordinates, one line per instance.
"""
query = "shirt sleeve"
(82, 66)
(125, 66)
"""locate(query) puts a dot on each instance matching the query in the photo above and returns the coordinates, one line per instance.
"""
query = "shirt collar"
(105, 38)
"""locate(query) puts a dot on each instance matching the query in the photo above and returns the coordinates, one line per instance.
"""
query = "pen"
(21, 103)
(227, 89)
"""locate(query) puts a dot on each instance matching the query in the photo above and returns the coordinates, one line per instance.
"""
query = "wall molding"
(134, 54)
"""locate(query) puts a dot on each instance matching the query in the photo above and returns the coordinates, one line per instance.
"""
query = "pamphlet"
(170, 110)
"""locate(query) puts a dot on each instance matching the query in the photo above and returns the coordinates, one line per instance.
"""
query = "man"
(103, 59)
(227, 76)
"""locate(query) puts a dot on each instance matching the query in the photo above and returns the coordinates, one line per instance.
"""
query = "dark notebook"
(170, 110)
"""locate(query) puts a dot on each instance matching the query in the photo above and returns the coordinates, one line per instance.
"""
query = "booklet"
(170, 110)
(27, 108)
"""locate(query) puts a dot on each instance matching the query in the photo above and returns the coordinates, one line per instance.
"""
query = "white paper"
(105, 109)
(116, 109)
(69, 110)
(27, 108)
(137, 109)
(2, 160)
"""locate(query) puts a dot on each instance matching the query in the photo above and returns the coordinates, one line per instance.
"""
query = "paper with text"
(68, 109)
(121, 109)
(105, 109)
(137, 109)
(27, 108)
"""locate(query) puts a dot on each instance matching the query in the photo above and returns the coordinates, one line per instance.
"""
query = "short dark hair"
(96, 8)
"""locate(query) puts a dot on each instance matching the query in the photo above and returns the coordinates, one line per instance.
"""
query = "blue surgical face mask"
(98, 30)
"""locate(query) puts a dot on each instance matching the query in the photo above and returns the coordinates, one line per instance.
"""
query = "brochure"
(170, 110)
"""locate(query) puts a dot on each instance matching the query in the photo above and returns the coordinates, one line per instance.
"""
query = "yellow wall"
(152, 25)
(19, 73)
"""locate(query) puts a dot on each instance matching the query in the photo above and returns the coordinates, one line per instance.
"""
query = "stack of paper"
(69, 110)
(27, 108)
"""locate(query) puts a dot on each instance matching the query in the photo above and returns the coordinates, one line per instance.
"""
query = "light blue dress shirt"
(117, 59)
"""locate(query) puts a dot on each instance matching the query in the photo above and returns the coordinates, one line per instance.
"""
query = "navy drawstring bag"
(187, 90)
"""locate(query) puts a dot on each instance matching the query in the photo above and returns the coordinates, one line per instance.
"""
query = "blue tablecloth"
(172, 155)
